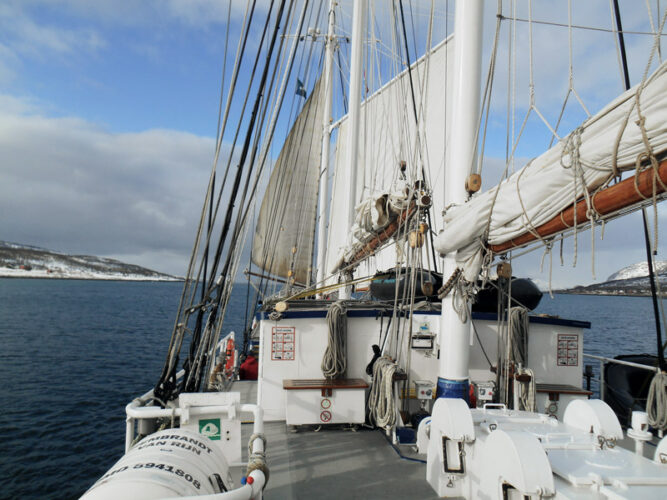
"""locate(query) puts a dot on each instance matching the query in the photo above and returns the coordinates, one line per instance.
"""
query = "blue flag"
(300, 89)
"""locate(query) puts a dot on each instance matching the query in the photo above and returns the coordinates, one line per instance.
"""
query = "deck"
(333, 462)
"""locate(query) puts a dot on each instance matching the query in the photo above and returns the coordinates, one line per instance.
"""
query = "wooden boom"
(376, 241)
(605, 201)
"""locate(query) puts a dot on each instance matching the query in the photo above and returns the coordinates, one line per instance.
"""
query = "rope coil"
(381, 404)
(334, 361)
(656, 403)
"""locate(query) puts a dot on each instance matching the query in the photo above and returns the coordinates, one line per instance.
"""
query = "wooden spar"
(270, 278)
(605, 201)
(387, 232)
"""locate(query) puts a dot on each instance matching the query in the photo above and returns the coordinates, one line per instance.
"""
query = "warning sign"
(283, 343)
(568, 350)
(325, 416)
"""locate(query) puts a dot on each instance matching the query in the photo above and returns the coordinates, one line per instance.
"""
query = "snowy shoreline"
(6, 272)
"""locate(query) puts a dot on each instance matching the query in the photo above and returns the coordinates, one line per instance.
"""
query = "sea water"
(74, 353)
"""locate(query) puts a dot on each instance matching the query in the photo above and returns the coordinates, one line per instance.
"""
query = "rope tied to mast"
(334, 361)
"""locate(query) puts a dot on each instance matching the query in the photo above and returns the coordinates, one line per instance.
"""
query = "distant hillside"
(631, 280)
(25, 261)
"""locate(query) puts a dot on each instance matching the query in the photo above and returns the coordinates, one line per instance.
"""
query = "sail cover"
(389, 135)
(555, 180)
(284, 234)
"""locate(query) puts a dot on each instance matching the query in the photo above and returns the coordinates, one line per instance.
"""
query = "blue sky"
(108, 112)
(130, 66)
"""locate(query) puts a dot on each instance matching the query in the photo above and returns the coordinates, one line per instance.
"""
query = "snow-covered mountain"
(631, 280)
(638, 270)
(26, 261)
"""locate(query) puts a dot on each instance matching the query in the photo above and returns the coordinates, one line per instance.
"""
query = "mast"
(350, 180)
(326, 141)
(454, 333)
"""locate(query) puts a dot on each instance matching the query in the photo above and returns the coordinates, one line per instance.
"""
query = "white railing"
(604, 360)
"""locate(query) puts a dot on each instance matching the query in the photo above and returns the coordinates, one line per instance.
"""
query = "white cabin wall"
(311, 340)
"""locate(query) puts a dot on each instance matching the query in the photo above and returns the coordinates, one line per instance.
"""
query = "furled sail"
(571, 170)
(391, 136)
(284, 234)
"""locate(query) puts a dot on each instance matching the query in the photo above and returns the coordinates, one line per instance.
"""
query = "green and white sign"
(210, 427)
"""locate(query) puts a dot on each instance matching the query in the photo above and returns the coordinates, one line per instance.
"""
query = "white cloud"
(72, 186)
(199, 13)
(27, 37)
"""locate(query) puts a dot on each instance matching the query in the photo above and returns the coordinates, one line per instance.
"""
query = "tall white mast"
(455, 334)
(350, 179)
(326, 141)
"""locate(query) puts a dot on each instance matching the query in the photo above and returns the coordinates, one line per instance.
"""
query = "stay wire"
(167, 381)
(193, 385)
(647, 241)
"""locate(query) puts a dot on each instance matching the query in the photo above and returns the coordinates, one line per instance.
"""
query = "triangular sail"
(284, 235)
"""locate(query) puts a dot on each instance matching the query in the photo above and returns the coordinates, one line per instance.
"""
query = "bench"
(325, 401)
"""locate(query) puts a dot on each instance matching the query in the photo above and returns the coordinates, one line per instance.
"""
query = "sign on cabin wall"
(568, 350)
(283, 343)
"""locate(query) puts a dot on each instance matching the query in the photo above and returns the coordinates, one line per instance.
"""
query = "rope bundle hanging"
(518, 335)
(334, 362)
(381, 404)
(656, 403)
(527, 391)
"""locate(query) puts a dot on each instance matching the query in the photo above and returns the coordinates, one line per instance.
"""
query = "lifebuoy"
(229, 356)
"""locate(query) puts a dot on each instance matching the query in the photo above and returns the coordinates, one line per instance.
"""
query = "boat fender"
(376, 355)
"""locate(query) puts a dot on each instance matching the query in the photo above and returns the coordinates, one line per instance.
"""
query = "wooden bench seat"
(323, 383)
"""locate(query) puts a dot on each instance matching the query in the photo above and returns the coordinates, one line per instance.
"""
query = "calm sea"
(74, 353)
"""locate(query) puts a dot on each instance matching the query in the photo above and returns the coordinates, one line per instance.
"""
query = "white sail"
(389, 136)
(551, 182)
(284, 234)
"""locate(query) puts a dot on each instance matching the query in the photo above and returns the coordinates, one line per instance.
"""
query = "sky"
(109, 111)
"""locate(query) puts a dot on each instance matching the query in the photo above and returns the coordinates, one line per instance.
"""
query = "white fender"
(594, 416)
(517, 459)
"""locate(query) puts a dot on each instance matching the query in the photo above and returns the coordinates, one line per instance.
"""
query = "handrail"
(604, 360)
(626, 363)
